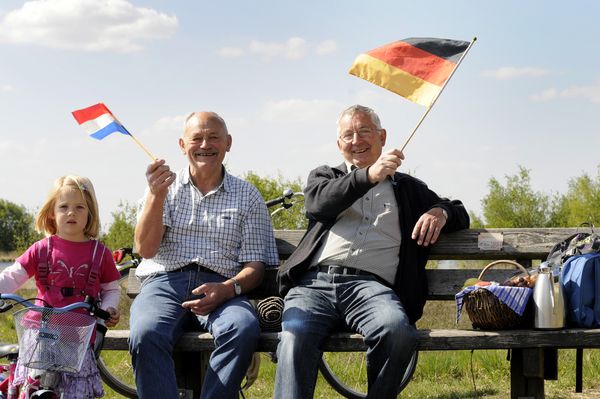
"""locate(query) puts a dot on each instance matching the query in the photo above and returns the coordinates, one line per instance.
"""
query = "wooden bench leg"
(190, 368)
(579, 370)
(527, 374)
(550, 364)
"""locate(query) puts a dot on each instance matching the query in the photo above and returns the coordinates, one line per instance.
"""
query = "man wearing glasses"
(361, 263)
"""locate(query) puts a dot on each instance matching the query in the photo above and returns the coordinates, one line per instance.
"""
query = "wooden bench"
(533, 353)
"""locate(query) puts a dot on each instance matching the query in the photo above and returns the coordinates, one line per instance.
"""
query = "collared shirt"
(221, 230)
(366, 236)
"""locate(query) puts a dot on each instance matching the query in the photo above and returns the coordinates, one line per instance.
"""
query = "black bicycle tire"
(350, 393)
(107, 377)
(114, 383)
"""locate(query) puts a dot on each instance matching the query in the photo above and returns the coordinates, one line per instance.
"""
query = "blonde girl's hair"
(45, 223)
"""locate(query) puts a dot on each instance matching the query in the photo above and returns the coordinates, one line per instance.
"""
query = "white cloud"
(169, 124)
(326, 47)
(546, 95)
(294, 48)
(504, 73)
(6, 88)
(368, 96)
(590, 93)
(231, 52)
(89, 25)
(295, 110)
(9, 146)
(24, 152)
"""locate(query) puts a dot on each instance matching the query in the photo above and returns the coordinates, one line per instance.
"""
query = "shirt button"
(366, 198)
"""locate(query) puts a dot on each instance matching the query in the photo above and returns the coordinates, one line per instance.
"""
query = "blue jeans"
(157, 320)
(321, 302)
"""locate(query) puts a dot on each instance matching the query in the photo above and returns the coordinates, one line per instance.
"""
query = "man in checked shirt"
(206, 238)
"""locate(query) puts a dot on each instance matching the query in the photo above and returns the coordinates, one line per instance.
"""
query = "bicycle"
(51, 340)
(115, 366)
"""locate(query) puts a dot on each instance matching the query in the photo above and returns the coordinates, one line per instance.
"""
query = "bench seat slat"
(428, 340)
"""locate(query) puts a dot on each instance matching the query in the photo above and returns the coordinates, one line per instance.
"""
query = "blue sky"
(527, 94)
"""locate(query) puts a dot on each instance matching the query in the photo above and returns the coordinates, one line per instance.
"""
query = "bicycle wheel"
(115, 366)
(349, 376)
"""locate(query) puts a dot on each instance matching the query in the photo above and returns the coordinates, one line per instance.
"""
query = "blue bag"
(580, 280)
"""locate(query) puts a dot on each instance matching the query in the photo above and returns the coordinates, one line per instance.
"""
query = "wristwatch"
(445, 213)
(237, 288)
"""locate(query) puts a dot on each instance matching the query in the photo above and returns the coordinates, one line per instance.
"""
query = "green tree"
(120, 233)
(292, 218)
(476, 222)
(580, 204)
(16, 227)
(517, 205)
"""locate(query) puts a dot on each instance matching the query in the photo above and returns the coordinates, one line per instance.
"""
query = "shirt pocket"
(387, 221)
(227, 224)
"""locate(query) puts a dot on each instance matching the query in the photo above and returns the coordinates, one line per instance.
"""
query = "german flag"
(415, 68)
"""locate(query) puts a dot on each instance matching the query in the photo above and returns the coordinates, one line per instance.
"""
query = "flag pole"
(139, 143)
(438, 94)
(152, 157)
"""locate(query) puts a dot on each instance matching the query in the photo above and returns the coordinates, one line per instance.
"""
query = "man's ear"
(182, 145)
(382, 136)
(229, 141)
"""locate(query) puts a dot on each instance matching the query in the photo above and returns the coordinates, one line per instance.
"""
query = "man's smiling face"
(205, 140)
(359, 140)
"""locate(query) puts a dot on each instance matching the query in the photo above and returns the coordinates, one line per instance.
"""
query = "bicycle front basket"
(49, 340)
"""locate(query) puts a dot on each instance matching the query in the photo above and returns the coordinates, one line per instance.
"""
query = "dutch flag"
(98, 121)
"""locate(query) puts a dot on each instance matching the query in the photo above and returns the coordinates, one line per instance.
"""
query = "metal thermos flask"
(549, 301)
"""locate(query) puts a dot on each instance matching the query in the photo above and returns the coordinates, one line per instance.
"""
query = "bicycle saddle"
(8, 349)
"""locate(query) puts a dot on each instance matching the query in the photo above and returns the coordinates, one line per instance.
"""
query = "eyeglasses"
(362, 133)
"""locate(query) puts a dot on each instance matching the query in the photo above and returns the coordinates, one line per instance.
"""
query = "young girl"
(61, 264)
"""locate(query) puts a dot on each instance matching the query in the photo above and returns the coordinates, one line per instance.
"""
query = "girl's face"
(71, 215)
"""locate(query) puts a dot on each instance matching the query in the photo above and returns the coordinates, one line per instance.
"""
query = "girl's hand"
(114, 317)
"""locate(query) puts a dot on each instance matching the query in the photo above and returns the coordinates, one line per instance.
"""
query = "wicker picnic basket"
(487, 312)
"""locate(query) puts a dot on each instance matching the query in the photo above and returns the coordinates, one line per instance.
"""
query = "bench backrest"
(465, 244)
(522, 245)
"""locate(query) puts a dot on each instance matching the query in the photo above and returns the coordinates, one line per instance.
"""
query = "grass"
(8, 256)
(453, 375)
(439, 375)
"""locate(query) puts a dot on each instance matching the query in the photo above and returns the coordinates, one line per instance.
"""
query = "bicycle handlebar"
(89, 304)
(287, 194)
